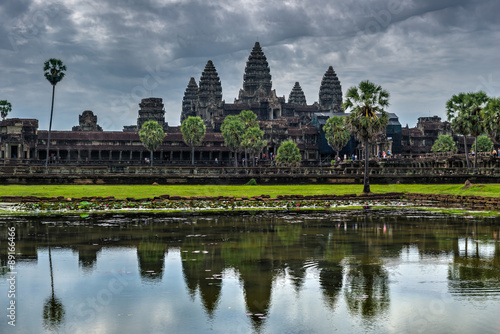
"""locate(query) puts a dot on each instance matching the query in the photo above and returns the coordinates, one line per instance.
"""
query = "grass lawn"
(144, 191)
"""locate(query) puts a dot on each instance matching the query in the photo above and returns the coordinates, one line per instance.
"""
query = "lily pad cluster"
(193, 205)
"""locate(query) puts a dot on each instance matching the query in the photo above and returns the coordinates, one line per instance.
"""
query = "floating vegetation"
(84, 209)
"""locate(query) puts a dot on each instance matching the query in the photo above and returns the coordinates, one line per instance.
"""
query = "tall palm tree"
(492, 118)
(193, 131)
(467, 118)
(5, 108)
(368, 117)
(53, 308)
(53, 72)
(477, 101)
(151, 135)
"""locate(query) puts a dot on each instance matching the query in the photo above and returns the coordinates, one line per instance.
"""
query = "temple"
(279, 119)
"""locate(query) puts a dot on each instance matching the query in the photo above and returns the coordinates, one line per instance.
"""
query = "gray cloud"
(118, 52)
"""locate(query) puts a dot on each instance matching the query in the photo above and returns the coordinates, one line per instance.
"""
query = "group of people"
(244, 163)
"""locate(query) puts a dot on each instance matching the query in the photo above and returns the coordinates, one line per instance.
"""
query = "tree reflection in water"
(53, 309)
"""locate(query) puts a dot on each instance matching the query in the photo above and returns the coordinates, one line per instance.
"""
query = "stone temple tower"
(210, 102)
(151, 110)
(297, 96)
(330, 92)
(190, 100)
(257, 83)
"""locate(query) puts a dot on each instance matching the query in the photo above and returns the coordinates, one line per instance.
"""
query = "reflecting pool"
(338, 272)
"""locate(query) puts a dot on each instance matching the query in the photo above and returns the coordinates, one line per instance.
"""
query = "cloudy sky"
(120, 51)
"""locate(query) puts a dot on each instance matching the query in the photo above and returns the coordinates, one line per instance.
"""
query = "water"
(341, 272)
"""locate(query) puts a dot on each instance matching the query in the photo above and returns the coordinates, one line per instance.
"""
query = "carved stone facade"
(297, 96)
(18, 138)
(420, 139)
(257, 85)
(190, 100)
(330, 92)
(280, 120)
(88, 122)
(152, 109)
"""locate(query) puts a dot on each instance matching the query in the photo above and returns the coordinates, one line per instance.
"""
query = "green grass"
(149, 191)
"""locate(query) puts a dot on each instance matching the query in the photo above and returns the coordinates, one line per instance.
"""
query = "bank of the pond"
(123, 192)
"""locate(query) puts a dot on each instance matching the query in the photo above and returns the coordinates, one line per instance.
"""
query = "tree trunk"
(50, 126)
(192, 155)
(235, 159)
(151, 155)
(466, 152)
(366, 183)
(475, 154)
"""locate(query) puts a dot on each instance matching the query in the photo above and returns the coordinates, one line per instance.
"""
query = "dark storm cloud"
(118, 52)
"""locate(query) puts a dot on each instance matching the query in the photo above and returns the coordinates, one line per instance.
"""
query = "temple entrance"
(13, 151)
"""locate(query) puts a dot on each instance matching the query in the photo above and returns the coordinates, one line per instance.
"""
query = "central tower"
(257, 78)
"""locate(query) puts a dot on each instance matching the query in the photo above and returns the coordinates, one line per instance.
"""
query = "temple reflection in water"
(352, 259)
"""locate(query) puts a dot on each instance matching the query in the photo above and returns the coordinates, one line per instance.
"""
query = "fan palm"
(492, 118)
(368, 117)
(465, 111)
(53, 72)
(5, 108)
(193, 131)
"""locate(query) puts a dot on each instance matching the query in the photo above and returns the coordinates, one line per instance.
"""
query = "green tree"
(54, 72)
(233, 130)
(151, 135)
(465, 111)
(252, 141)
(288, 154)
(477, 102)
(5, 108)
(444, 143)
(249, 118)
(367, 118)
(336, 133)
(193, 131)
(492, 118)
(484, 144)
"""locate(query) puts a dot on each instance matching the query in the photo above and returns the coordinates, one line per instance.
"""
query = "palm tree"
(5, 108)
(249, 119)
(477, 102)
(233, 130)
(53, 308)
(492, 118)
(467, 118)
(252, 141)
(368, 117)
(193, 131)
(151, 135)
(54, 72)
(288, 154)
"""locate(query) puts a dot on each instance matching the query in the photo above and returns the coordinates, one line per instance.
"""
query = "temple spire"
(257, 78)
(210, 86)
(330, 92)
(190, 99)
(297, 96)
